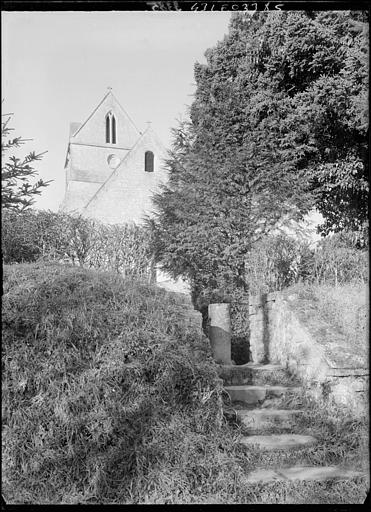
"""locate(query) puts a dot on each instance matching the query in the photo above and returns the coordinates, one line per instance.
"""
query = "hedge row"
(277, 262)
(44, 235)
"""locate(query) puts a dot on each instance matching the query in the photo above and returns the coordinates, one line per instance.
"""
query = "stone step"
(257, 394)
(253, 373)
(264, 419)
(302, 473)
(279, 441)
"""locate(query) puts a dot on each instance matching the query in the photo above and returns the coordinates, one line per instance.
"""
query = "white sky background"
(56, 67)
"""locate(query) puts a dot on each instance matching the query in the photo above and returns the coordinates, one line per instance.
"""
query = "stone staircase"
(260, 396)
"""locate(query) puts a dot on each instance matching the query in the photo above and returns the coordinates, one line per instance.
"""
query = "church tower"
(112, 169)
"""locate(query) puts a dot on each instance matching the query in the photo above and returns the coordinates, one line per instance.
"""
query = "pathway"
(260, 394)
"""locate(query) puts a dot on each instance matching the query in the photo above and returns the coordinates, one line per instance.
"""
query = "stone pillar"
(152, 278)
(220, 332)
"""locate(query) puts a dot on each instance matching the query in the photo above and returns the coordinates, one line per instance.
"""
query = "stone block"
(279, 441)
(220, 332)
(264, 419)
(252, 373)
(247, 394)
(303, 473)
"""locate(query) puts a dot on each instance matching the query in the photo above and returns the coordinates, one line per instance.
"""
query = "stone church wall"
(90, 163)
(126, 196)
(108, 181)
(93, 132)
(76, 194)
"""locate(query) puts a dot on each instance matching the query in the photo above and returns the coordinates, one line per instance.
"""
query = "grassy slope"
(108, 396)
(346, 308)
(338, 316)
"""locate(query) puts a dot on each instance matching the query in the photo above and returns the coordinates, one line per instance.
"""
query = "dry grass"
(110, 396)
(342, 310)
(342, 440)
(346, 308)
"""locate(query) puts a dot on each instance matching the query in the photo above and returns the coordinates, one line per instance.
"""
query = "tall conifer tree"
(276, 127)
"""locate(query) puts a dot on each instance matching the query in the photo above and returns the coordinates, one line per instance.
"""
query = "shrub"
(108, 394)
(277, 262)
(337, 260)
(37, 234)
(33, 235)
(17, 242)
(120, 248)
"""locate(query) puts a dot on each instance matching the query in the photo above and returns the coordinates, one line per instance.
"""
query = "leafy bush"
(120, 248)
(109, 395)
(37, 234)
(277, 262)
(337, 260)
(32, 235)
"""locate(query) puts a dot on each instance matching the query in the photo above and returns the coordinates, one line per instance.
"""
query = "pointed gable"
(93, 130)
(112, 170)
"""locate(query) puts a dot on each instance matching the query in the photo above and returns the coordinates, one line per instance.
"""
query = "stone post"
(152, 278)
(220, 332)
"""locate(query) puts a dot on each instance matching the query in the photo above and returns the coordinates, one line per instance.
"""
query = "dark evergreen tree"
(319, 62)
(17, 193)
(278, 125)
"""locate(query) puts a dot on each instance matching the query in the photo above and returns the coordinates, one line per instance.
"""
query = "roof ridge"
(96, 108)
(89, 117)
(127, 115)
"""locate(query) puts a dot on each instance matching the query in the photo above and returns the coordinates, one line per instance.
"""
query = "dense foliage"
(278, 125)
(313, 68)
(277, 262)
(338, 260)
(17, 193)
(36, 234)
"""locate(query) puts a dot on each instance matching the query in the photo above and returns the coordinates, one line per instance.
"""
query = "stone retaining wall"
(277, 334)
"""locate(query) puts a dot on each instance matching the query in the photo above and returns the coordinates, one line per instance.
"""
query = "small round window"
(113, 161)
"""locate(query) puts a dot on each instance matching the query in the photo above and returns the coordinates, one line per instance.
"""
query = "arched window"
(110, 128)
(108, 131)
(113, 131)
(148, 161)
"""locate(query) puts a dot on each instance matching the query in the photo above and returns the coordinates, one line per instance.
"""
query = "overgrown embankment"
(109, 393)
(345, 308)
(318, 331)
(336, 316)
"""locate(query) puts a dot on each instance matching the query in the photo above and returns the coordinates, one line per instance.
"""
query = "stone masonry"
(107, 181)
(327, 366)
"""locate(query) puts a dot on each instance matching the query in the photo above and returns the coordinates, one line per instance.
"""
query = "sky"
(56, 67)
